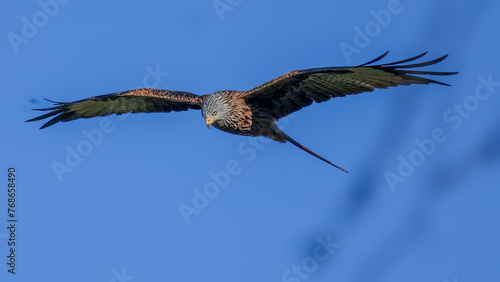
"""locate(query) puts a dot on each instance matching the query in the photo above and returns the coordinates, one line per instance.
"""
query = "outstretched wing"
(145, 100)
(298, 89)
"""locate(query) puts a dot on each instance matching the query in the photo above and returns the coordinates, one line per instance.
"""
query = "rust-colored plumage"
(253, 112)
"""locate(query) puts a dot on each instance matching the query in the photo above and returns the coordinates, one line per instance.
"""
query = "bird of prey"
(254, 112)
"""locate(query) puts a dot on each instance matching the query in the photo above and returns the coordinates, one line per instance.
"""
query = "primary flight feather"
(253, 112)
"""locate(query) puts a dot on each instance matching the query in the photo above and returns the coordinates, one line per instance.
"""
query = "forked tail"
(288, 138)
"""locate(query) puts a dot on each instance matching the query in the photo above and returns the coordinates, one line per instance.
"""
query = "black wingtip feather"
(432, 72)
(407, 60)
(437, 82)
(55, 120)
(47, 109)
(56, 103)
(53, 113)
(428, 63)
(376, 59)
(50, 122)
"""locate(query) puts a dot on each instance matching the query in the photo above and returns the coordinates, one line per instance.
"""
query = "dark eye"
(214, 113)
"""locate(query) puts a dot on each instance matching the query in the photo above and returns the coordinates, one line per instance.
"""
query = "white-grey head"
(216, 108)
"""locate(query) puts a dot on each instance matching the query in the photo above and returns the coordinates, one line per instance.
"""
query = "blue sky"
(420, 202)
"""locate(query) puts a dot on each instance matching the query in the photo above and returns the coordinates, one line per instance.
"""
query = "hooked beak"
(209, 122)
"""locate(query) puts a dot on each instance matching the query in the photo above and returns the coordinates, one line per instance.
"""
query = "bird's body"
(253, 112)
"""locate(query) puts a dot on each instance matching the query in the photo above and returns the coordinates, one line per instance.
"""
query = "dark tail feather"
(288, 138)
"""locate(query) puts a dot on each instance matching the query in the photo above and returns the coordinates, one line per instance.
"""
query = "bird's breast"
(239, 120)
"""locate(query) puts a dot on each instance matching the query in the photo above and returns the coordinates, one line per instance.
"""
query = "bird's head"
(216, 108)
